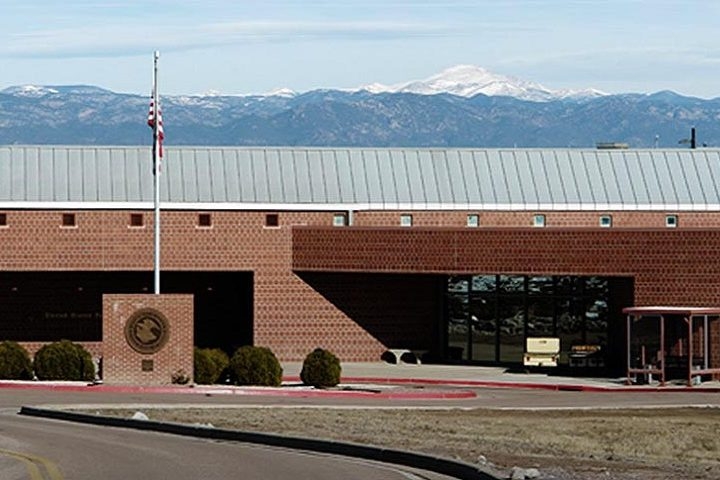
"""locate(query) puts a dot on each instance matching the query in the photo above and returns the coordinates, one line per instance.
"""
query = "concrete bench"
(403, 355)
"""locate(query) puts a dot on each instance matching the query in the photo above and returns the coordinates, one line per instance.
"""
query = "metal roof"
(296, 178)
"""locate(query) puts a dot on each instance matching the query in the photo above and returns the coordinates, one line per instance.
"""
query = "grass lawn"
(639, 444)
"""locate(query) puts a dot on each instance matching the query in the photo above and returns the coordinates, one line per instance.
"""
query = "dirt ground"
(642, 444)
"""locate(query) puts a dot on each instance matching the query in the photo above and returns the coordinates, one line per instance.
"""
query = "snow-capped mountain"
(464, 106)
(471, 80)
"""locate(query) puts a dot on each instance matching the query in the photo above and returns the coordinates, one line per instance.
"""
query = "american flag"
(153, 115)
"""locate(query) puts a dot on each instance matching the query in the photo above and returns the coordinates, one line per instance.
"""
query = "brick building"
(459, 253)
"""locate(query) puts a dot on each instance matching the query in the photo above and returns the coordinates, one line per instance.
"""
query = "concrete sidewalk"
(464, 375)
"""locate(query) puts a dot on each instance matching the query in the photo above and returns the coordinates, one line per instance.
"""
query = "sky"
(249, 46)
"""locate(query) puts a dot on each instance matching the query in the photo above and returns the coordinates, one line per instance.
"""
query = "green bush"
(64, 360)
(209, 364)
(222, 362)
(256, 366)
(321, 369)
(15, 362)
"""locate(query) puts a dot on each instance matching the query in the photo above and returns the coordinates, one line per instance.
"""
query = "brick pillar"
(147, 339)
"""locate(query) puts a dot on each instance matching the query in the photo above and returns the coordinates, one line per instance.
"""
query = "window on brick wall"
(473, 220)
(538, 220)
(606, 221)
(3, 219)
(272, 220)
(204, 220)
(339, 220)
(137, 220)
(68, 220)
(406, 220)
(671, 221)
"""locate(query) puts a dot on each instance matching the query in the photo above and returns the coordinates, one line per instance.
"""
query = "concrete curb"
(453, 468)
(562, 387)
(386, 395)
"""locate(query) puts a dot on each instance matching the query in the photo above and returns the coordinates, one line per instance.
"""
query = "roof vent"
(612, 146)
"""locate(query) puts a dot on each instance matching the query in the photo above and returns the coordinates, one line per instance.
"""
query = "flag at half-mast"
(155, 122)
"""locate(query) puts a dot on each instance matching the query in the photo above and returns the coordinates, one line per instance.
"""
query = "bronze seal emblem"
(147, 331)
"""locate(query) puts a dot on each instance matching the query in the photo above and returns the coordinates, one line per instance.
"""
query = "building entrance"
(488, 317)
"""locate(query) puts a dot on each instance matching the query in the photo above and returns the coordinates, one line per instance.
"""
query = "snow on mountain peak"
(29, 91)
(471, 80)
(281, 92)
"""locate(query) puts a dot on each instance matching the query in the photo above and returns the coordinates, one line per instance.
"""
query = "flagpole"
(156, 174)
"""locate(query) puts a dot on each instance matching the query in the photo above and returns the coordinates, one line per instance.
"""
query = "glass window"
(511, 283)
(569, 312)
(540, 285)
(457, 283)
(68, 220)
(671, 221)
(597, 285)
(136, 220)
(568, 284)
(272, 220)
(539, 220)
(406, 220)
(605, 221)
(339, 220)
(457, 326)
(483, 327)
(596, 322)
(540, 317)
(473, 220)
(204, 220)
(484, 283)
(511, 326)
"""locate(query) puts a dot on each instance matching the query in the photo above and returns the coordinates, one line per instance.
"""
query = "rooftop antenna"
(657, 140)
(692, 140)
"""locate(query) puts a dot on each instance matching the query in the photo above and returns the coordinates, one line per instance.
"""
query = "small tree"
(64, 360)
(321, 368)
(256, 366)
(15, 362)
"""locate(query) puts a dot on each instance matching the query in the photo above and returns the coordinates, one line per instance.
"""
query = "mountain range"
(464, 106)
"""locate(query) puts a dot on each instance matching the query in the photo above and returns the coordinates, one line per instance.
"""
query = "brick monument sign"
(147, 339)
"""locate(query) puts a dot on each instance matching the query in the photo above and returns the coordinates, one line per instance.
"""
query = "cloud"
(131, 39)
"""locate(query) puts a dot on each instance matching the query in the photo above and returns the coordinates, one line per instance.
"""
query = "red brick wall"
(670, 267)
(122, 364)
(291, 316)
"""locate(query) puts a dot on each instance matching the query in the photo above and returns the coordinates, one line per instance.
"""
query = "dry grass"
(579, 444)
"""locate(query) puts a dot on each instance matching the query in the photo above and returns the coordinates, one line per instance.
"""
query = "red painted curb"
(402, 394)
(250, 391)
(565, 387)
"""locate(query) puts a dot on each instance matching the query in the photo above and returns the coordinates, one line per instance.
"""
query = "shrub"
(64, 360)
(321, 368)
(209, 364)
(221, 360)
(15, 362)
(256, 366)
(179, 377)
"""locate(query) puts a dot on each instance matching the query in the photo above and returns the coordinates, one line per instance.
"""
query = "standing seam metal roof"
(361, 178)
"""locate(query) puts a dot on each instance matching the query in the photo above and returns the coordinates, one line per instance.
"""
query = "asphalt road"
(41, 449)
(37, 449)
